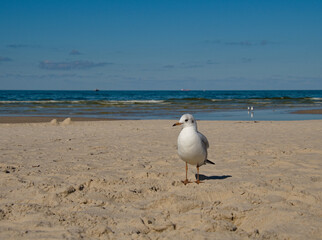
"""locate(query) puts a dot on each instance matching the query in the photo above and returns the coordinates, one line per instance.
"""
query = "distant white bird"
(192, 145)
(251, 108)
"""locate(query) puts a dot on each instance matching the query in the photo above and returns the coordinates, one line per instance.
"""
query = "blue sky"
(158, 45)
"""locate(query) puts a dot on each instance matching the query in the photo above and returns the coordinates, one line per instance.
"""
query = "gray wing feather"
(204, 140)
(205, 143)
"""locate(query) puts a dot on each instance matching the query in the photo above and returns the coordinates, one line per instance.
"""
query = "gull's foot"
(198, 181)
(185, 182)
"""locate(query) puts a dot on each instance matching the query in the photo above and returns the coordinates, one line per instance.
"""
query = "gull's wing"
(204, 140)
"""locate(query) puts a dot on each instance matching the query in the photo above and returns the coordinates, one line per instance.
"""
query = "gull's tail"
(208, 161)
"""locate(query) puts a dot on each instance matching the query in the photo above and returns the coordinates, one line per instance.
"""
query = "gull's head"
(186, 120)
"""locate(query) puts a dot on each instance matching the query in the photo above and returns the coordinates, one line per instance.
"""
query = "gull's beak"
(176, 124)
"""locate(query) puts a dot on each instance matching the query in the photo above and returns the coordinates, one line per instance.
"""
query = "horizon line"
(182, 90)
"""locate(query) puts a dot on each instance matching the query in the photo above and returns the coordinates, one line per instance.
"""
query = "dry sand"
(121, 180)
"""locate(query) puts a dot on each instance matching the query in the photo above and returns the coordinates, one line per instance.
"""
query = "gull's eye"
(186, 120)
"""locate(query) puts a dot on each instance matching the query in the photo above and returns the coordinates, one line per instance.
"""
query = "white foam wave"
(135, 101)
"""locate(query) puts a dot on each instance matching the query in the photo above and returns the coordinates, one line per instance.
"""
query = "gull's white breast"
(190, 147)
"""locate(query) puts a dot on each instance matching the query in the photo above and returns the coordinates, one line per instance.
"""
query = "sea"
(132, 105)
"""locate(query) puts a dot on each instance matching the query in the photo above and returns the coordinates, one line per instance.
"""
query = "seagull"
(192, 145)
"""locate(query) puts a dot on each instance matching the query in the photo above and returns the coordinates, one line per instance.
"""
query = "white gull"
(192, 145)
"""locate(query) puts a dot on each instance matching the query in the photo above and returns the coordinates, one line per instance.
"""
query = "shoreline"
(44, 119)
(37, 119)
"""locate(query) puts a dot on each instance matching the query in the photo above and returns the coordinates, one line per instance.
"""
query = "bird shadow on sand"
(204, 177)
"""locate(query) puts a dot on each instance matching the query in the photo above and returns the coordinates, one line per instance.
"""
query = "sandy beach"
(122, 180)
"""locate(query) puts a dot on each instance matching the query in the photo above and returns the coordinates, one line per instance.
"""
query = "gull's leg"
(186, 181)
(198, 176)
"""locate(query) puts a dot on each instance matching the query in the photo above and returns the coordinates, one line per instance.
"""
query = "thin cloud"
(266, 42)
(74, 52)
(73, 65)
(19, 46)
(192, 64)
(5, 59)
(241, 43)
(211, 62)
(212, 41)
(37, 76)
(246, 60)
(244, 43)
(197, 64)
(169, 66)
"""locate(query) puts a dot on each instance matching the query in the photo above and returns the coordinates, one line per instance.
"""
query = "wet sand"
(312, 111)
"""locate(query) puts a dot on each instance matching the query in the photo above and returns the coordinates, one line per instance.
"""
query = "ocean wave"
(221, 99)
(192, 99)
(136, 101)
(31, 101)
(171, 101)
(103, 102)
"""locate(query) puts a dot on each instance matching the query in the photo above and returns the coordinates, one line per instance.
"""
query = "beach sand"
(122, 180)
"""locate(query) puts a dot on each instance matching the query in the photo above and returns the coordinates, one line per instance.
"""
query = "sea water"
(205, 105)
